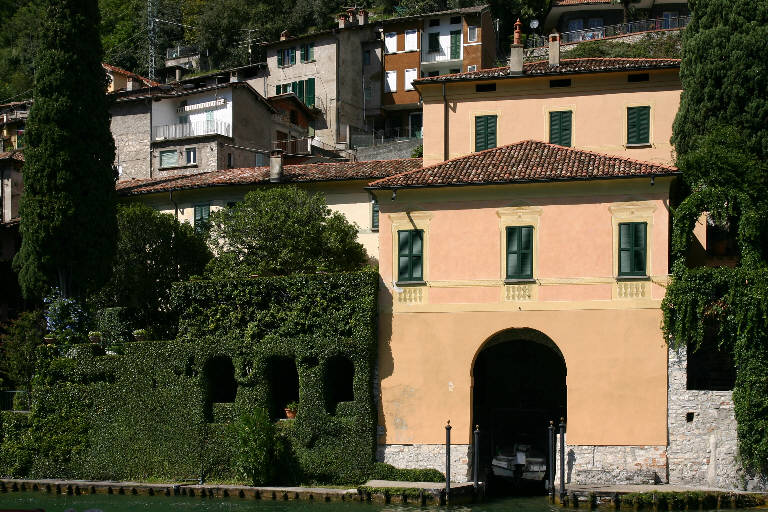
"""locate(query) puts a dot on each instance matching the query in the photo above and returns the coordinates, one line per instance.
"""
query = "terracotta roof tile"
(12, 155)
(525, 161)
(560, 3)
(300, 173)
(121, 71)
(566, 67)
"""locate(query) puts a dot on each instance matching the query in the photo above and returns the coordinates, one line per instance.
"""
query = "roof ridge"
(605, 155)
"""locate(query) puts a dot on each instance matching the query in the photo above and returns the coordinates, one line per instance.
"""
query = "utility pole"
(151, 28)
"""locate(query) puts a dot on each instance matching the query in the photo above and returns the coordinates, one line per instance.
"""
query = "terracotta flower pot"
(290, 414)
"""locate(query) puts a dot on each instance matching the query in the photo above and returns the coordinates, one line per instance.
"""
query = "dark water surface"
(117, 503)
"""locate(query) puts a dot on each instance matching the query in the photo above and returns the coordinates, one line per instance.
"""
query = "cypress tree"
(68, 224)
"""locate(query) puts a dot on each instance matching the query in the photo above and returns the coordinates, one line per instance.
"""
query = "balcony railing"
(439, 56)
(632, 27)
(183, 130)
(295, 146)
(178, 52)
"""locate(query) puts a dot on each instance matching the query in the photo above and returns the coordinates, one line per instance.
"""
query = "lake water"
(117, 503)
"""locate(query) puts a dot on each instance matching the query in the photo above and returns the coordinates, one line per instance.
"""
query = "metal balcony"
(184, 130)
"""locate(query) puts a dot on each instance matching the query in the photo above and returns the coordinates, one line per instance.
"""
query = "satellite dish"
(534, 24)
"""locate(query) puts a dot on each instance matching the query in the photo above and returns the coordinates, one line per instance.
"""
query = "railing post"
(447, 461)
(551, 459)
(476, 455)
(562, 459)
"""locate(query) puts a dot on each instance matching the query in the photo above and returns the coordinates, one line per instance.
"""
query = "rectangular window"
(485, 132)
(390, 42)
(229, 161)
(368, 91)
(638, 77)
(632, 248)
(410, 254)
(455, 20)
(410, 76)
(434, 42)
(485, 87)
(471, 68)
(191, 156)
(292, 52)
(374, 214)
(280, 58)
(520, 252)
(455, 44)
(560, 128)
(471, 34)
(411, 40)
(169, 158)
(367, 58)
(202, 211)
(434, 23)
(560, 82)
(390, 85)
(433, 73)
(638, 125)
(308, 52)
(20, 139)
(309, 92)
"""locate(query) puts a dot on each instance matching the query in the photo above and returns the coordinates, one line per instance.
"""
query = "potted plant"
(49, 338)
(140, 334)
(290, 410)
(94, 337)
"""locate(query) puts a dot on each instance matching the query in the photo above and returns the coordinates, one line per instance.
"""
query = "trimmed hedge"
(148, 414)
(383, 471)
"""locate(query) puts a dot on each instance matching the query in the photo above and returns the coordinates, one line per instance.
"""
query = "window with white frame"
(472, 68)
(471, 34)
(410, 76)
(411, 40)
(390, 42)
(390, 84)
(191, 154)
(169, 158)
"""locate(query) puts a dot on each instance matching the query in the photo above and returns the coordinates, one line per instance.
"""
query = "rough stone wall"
(613, 464)
(391, 151)
(131, 130)
(423, 456)
(703, 451)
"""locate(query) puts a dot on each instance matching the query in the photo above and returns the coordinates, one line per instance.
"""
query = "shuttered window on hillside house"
(485, 132)
(520, 252)
(455, 44)
(638, 125)
(202, 211)
(632, 248)
(434, 42)
(410, 254)
(309, 92)
(560, 128)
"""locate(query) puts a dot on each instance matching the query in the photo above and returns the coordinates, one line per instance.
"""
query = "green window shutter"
(410, 254)
(311, 51)
(304, 53)
(455, 44)
(434, 42)
(375, 214)
(202, 211)
(300, 92)
(277, 89)
(491, 132)
(480, 133)
(638, 125)
(279, 57)
(310, 92)
(560, 128)
(632, 248)
(520, 252)
(295, 88)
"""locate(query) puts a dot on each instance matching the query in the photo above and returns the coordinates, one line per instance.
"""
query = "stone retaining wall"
(423, 456)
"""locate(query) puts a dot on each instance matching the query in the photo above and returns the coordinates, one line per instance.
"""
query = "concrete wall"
(599, 104)
(607, 330)
(130, 125)
(391, 151)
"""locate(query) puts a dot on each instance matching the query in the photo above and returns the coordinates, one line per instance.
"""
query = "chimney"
(516, 51)
(284, 35)
(352, 16)
(362, 17)
(554, 49)
(343, 21)
(276, 166)
(129, 86)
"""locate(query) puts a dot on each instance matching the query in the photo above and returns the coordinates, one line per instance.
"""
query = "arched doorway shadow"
(518, 387)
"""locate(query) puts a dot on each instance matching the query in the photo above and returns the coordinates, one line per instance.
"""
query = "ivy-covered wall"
(161, 410)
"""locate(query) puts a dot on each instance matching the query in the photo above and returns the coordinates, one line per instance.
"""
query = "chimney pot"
(554, 49)
(343, 20)
(276, 166)
(284, 35)
(518, 32)
(362, 17)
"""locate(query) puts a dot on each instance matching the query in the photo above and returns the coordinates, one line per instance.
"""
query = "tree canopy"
(67, 212)
(280, 231)
(721, 139)
(154, 250)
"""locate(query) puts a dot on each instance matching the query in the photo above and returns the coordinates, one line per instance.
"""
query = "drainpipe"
(445, 125)
(175, 206)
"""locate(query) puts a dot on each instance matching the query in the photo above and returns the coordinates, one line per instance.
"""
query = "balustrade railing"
(632, 27)
(182, 130)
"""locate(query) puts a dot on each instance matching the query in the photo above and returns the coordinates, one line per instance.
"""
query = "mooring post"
(562, 459)
(476, 455)
(551, 459)
(447, 462)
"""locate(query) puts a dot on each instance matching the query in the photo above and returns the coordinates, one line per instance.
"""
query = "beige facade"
(598, 102)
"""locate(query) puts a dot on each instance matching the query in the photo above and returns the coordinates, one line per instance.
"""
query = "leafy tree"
(721, 138)
(19, 346)
(279, 231)
(154, 250)
(67, 212)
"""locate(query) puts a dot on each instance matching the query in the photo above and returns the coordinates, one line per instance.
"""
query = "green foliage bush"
(144, 414)
(19, 349)
(256, 447)
(383, 471)
(649, 46)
